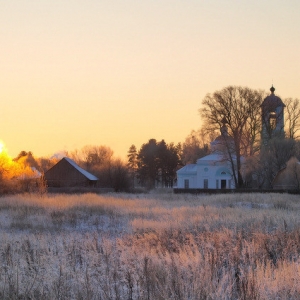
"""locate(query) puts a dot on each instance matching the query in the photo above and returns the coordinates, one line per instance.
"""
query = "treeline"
(155, 163)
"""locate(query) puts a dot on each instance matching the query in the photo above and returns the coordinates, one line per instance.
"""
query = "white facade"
(212, 172)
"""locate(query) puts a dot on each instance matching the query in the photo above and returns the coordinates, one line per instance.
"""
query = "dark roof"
(272, 101)
(71, 162)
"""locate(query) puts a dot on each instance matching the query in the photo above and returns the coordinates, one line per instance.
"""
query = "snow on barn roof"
(82, 171)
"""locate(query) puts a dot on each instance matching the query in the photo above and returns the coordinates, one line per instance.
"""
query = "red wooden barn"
(66, 173)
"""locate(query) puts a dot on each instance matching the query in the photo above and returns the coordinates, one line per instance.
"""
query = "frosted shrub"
(154, 246)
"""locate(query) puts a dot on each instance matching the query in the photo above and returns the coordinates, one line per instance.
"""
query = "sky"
(120, 72)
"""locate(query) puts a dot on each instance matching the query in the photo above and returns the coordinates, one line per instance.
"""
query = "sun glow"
(2, 146)
(11, 168)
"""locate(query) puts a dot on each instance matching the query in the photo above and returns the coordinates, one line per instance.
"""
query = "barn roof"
(82, 171)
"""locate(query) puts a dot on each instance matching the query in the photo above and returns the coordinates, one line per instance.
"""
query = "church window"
(186, 183)
(272, 120)
(217, 183)
(223, 173)
(205, 183)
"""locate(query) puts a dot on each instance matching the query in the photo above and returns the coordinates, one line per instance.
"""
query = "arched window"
(223, 173)
(272, 120)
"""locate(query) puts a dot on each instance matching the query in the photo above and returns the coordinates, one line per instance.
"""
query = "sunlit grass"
(150, 246)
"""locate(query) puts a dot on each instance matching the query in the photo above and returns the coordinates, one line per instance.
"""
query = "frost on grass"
(154, 246)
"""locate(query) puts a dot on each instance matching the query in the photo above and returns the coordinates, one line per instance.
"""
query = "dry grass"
(152, 246)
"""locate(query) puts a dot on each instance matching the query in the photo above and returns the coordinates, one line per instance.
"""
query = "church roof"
(272, 101)
(190, 168)
(215, 157)
(223, 140)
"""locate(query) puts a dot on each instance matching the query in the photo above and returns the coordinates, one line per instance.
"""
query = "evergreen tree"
(148, 164)
(157, 163)
(132, 163)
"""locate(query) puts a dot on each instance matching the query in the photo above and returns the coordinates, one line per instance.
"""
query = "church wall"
(213, 177)
(209, 175)
(192, 181)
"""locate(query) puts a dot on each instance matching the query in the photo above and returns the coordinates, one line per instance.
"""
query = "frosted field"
(152, 246)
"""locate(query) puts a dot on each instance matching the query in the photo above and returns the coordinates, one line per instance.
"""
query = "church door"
(223, 183)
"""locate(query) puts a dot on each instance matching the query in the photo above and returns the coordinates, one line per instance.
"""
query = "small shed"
(66, 173)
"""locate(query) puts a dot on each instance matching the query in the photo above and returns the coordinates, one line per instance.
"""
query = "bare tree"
(195, 145)
(120, 176)
(97, 156)
(93, 157)
(99, 161)
(292, 118)
(253, 172)
(251, 133)
(274, 157)
(45, 163)
(240, 107)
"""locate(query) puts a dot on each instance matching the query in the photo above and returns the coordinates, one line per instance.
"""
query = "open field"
(152, 246)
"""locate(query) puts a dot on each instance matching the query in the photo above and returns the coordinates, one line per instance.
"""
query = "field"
(153, 246)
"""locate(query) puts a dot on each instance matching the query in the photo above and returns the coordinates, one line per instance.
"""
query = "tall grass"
(152, 246)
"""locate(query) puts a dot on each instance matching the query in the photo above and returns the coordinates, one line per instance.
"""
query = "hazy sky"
(116, 73)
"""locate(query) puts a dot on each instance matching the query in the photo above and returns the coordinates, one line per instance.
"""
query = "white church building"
(213, 171)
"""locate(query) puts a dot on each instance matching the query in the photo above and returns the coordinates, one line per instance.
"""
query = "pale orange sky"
(116, 73)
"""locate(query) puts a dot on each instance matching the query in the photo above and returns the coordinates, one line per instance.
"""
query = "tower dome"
(272, 101)
(223, 141)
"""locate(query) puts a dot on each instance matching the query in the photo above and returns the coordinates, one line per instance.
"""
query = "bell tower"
(272, 113)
